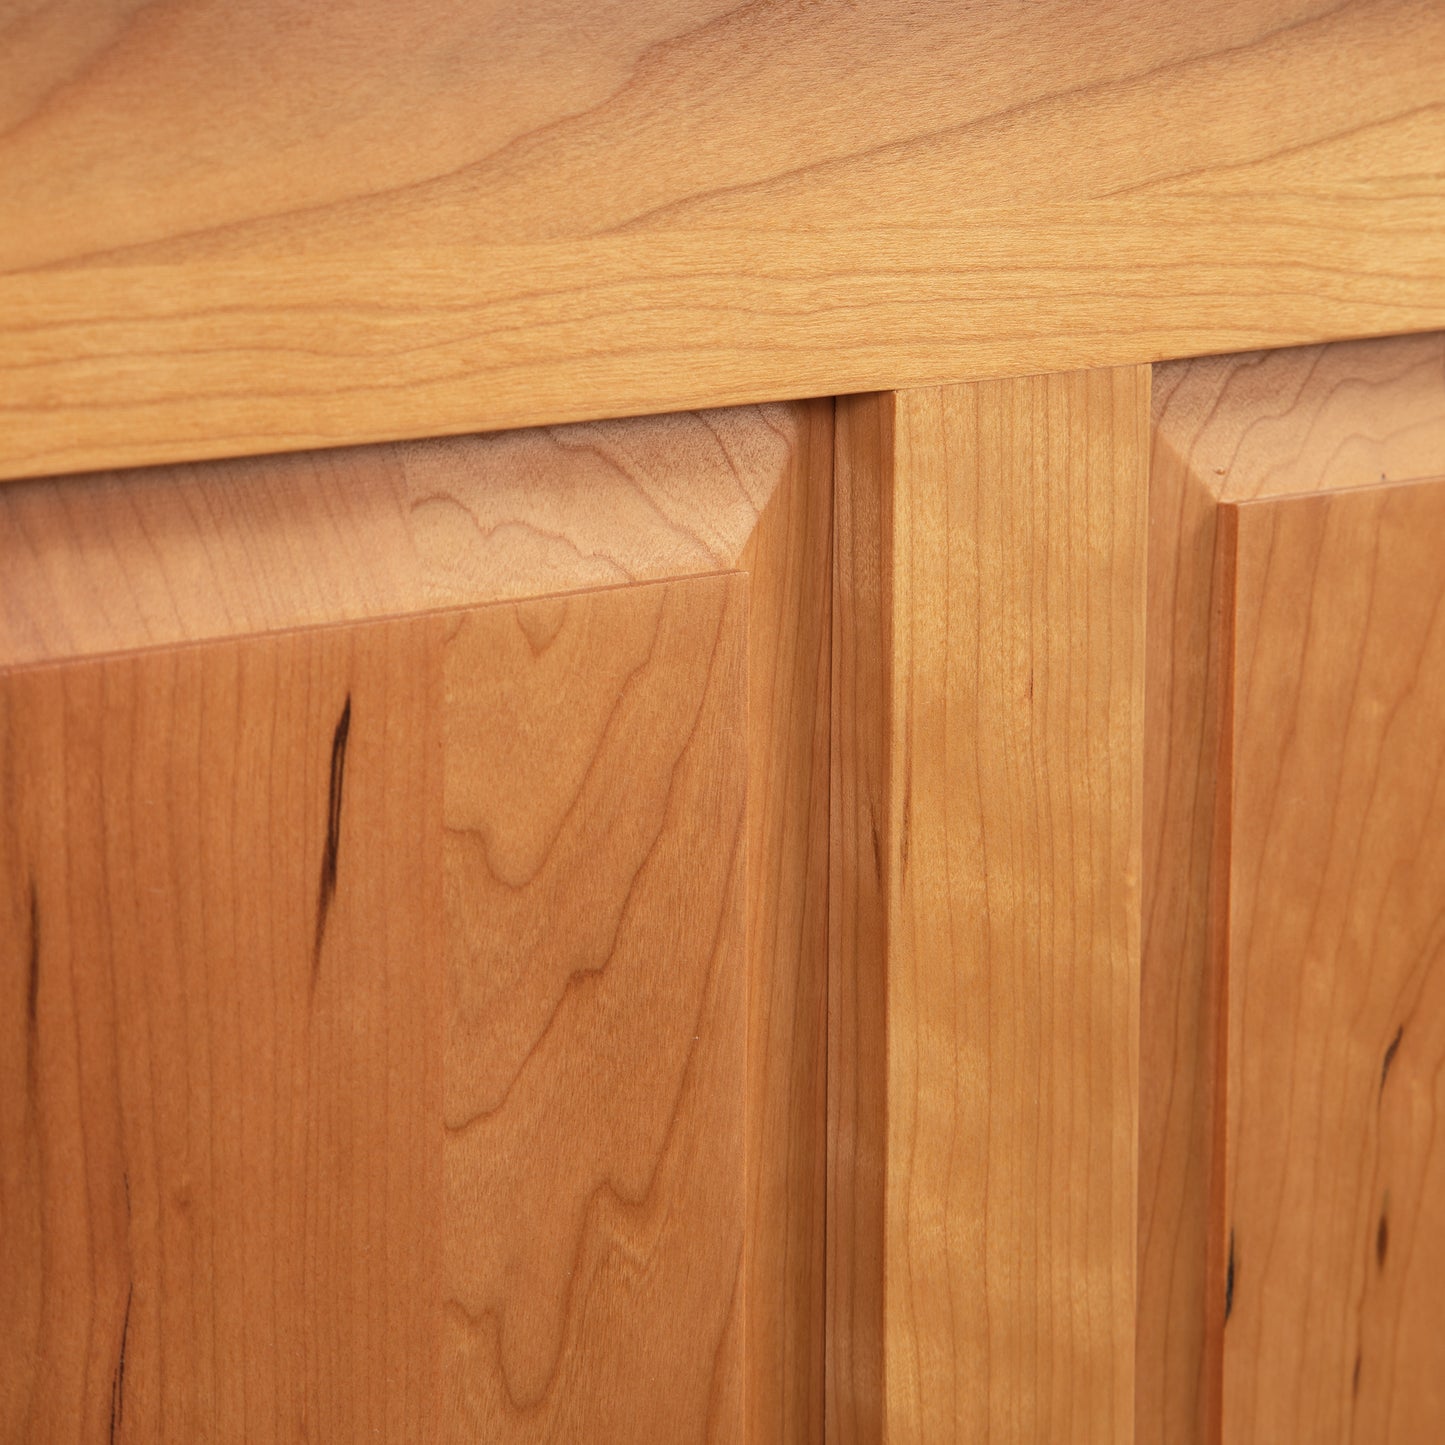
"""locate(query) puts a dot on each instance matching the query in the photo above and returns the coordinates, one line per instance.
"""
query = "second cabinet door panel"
(1292, 1187)
(1335, 937)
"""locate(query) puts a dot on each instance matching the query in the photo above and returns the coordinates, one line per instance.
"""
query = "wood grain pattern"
(227, 231)
(859, 916)
(1272, 426)
(378, 1004)
(596, 1016)
(1180, 998)
(987, 729)
(1305, 419)
(788, 560)
(147, 559)
(1335, 1188)
(220, 895)
(120, 560)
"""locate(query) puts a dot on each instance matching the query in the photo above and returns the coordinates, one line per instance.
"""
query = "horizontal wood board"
(229, 230)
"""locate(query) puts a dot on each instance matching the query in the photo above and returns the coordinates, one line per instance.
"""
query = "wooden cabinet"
(1291, 1192)
(691, 746)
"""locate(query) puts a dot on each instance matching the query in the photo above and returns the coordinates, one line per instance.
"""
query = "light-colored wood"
(146, 559)
(240, 229)
(141, 558)
(1335, 1188)
(220, 907)
(1270, 426)
(596, 769)
(788, 561)
(987, 734)
(1306, 419)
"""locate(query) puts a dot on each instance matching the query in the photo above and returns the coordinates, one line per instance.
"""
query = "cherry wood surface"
(595, 1020)
(380, 1029)
(234, 229)
(788, 560)
(137, 572)
(1254, 428)
(220, 916)
(1334, 1191)
(144, 557)
(988, 698)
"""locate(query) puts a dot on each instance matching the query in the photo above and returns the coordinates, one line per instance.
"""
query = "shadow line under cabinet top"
(233, 230)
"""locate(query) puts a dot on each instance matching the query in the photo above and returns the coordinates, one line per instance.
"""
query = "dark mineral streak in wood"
(333, 833)
(117, 1387)
(32, 998)
(1229, 1281)
(1390, 1056)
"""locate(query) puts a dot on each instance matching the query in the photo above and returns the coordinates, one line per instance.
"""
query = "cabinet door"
(1293, 1177)
(375, 1031)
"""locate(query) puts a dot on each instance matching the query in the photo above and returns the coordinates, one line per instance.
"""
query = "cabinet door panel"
(1335, 1195)
(374, 1031)
(1290, 1186)
(582, 750)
